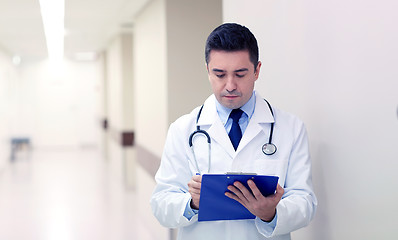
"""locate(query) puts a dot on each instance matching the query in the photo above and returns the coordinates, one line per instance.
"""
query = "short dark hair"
(232, 37)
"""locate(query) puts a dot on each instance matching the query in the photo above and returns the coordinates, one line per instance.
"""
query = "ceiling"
(89, 25)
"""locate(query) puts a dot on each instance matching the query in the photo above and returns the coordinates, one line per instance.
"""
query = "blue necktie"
(235, 134)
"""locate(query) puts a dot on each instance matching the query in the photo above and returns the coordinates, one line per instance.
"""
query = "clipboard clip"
(240, 173)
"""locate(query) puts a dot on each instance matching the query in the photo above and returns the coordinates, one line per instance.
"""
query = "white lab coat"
(291, 163)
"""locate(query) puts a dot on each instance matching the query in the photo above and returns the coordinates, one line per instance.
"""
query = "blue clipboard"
(214, 205)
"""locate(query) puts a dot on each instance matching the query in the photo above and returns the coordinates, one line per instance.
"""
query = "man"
(239, 123)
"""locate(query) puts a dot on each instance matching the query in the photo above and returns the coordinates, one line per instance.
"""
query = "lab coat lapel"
(209, 118)
(261, 115)
(218, 133)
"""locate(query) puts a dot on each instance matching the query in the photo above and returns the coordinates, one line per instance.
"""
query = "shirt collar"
(248, 109)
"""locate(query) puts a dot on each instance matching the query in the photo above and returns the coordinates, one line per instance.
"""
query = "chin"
(231, 105)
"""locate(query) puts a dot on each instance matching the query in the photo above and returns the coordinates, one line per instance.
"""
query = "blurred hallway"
(132, 67)
(62, 195)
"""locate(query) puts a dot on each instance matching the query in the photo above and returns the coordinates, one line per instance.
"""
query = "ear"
(208, 73)
(257, 72)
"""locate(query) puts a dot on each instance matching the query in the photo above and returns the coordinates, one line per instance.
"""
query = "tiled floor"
(66, 195)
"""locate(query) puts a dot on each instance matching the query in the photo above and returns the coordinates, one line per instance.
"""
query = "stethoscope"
(268, 148)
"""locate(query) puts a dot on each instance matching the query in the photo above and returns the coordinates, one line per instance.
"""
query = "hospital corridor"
(67, 194)
(89, 90)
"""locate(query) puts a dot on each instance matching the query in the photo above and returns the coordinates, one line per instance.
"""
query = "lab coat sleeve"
(298, 204)
(171, 196)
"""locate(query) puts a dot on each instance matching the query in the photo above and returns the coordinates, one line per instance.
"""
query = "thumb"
(279, 191)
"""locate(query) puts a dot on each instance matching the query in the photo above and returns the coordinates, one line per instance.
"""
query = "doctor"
(239, 122)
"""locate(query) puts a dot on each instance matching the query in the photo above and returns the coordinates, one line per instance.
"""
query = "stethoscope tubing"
(199, 131)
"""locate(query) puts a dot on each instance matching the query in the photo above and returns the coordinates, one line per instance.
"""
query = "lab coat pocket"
(267, 166)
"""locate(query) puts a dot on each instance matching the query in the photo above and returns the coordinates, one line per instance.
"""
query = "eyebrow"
(236, 71)
(241, 70)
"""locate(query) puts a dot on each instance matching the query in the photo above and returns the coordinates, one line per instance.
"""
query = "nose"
(230, 85)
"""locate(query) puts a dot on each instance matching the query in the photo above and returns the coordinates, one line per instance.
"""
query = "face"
(232, 76)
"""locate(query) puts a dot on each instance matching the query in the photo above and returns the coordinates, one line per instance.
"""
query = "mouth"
(231, 97)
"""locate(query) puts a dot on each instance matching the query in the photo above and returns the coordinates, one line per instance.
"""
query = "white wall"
(8, 75)
(169, 39)
(333, 63)
(187, 31)
(151, 76)
(54, 111)
(57, 110)
(150, 102)
(119, 82)
(119, 97)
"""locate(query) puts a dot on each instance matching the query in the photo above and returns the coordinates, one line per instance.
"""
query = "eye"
(220, 75)
(240, 75)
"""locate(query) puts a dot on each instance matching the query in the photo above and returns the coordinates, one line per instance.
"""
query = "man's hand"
(194, 189)
(256, 203)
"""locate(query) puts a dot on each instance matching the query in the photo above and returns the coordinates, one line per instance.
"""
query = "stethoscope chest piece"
(269, 148)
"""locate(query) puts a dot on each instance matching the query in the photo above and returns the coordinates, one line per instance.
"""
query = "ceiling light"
(16, 60)
(53, 13)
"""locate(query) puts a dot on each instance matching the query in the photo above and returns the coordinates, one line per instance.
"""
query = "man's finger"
(194, 190)
(236, 192)
(197, 178)
(234, 197)
(279, 191)
(196, 182)
(193, 184)
(246, 193)
(256, 192)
